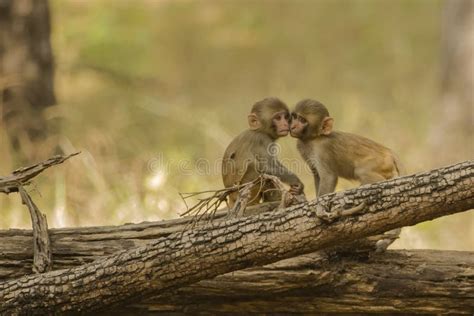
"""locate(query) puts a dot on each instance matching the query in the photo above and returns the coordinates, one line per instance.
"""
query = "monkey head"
(270, 116)
(310, 119)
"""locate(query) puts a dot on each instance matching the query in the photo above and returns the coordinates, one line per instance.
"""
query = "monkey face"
(281, 124)
(298, 125)
(310, 120)
(271, 117)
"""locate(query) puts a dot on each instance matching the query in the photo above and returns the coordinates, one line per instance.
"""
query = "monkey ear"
(254, 122)
(327, 125)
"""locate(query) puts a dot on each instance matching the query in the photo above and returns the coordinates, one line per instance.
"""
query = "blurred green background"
(152, 92)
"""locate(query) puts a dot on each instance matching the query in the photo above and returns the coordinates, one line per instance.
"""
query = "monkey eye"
(279, 116)
(302, 120)
(287, 116)
(294, 116)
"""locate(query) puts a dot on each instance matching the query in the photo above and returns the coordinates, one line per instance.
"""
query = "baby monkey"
(331, 154)
(254, 152)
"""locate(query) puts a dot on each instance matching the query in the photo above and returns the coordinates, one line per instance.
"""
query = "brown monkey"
(331, 154)
(254, 152)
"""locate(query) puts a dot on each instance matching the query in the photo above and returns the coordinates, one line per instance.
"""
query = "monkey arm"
(276, 168)
(327, 183)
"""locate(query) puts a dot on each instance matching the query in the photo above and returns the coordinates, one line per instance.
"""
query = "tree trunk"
(26, 69)
(315, 282)
(454, 123)
(184, 258)
(416, 281)
(76, 246)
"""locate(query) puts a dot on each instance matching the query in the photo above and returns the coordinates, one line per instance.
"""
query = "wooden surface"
(181, 259)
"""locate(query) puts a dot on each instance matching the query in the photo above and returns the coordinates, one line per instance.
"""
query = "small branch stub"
(22, 176)
(15, 182)
(42, 261)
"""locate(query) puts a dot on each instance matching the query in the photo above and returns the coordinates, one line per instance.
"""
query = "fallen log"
(439, 281)
(180, 259)
(79, 245)
(397, 281)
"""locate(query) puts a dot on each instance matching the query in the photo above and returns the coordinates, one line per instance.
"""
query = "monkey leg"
(246, 196)
(253, 198)
(232, 198)
(327, 184)
(255, 195)
(270, 193)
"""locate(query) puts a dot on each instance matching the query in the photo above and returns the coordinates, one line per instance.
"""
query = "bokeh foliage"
(152, 92)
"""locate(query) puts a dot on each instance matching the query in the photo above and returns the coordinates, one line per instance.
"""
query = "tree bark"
(41, 242)
(184, 258)
(76, 246)
(26, 69)
(319, 281)
(416, 281)
(40, 239)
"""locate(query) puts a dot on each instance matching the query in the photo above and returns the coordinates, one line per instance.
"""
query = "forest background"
(151, 92)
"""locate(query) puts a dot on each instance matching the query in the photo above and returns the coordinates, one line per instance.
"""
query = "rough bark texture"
(416, 281)
(203, 253)
(41, 243)
(316, 282)
(76, 246)
(26, 69)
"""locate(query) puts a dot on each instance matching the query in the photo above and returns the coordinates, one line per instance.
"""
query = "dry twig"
(207, 207)
(22, 176)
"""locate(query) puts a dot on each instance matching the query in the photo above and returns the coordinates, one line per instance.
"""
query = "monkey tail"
(398, 165)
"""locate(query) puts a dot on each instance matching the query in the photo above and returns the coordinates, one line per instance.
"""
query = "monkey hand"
(288, 199)
(301, 198)
(297, 189)
(325, 215)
